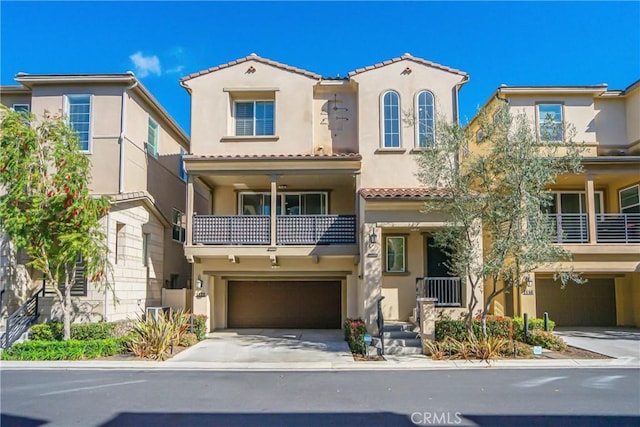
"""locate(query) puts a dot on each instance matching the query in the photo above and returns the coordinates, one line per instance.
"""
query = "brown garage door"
(287, 304)
(590, 304)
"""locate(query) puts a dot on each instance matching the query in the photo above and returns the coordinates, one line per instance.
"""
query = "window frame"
(182, 170)
(433, 119)
(177, 222)
(156, 144)
(539, 118)
(67, 113)
(13, 107)
(283, 199)
(637, 187)
(254, 118)
(404, 254)
(383, 133)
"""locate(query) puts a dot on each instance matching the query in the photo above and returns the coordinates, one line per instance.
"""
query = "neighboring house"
(136, 151)
(596, 214)
(315, 209)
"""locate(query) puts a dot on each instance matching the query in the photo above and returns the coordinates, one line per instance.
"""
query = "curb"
(389, 365)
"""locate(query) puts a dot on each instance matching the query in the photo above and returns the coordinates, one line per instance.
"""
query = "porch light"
(529, 281)
(373, 237)
(199, 282)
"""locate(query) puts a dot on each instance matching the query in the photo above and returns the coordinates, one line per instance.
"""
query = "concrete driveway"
(621, 343)
(269, 346)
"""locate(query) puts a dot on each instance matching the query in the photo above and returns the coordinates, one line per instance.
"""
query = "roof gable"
(408, 57)
(254, 57)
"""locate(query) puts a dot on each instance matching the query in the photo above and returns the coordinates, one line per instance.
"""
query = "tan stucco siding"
(335, 120)
(9, 99)
(632, 114)
(401, 167)
(212, 109)
(610, 122)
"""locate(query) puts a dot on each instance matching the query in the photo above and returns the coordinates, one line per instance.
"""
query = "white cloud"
(175, 70)
(146, 65)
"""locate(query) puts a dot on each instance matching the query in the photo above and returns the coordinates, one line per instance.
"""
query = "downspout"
(123, 123)
(457, 112)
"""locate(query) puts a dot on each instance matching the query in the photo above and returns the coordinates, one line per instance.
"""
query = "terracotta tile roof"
(421, 193)
(410, 58)
(254, 57)
(336, 156)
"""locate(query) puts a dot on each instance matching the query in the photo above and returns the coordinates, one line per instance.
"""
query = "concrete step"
(400, 326)
(402, 351)
(402, 343)
(400, 334)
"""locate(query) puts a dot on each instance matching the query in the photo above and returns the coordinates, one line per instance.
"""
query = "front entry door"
(436, 260)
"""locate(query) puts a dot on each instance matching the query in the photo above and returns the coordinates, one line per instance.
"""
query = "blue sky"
(536, 43)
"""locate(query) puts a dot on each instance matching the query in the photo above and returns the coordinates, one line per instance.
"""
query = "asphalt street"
(486, 397)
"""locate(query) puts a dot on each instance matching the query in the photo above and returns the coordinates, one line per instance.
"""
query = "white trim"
(386, 254)
(620, 196)
(66, 111)
(557, 194)
(13, 107)
(417, 113)
(538, 117)
(282, 195)
(382, 118)
(254, 101)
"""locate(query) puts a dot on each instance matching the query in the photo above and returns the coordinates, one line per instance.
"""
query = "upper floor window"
(254, 118)
(550, 122)
(426, 119)
(630, 200)
(181, 169)
(79, 111)
(178, 232)
(391, 119)
(152, 137)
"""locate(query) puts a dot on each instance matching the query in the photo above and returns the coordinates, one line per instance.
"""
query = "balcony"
(447, 290)
(618, 228)
(235, 230)
(610, 228)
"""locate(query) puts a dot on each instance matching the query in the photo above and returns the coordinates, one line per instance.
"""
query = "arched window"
(426, 120)
(391, 119)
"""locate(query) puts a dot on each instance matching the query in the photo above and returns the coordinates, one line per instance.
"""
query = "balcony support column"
(591, 207)
(274, 207)
(189, 213)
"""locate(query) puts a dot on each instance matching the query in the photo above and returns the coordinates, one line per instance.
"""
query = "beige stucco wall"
(371, 85)
(9, 99)
(610, 121)
(632, 114)
(335, 112)
(211, 110)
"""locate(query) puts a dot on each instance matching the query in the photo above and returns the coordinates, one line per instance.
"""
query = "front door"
(436, 260)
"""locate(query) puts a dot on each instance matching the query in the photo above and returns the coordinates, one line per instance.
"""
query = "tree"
(499, 189)
(46, 208)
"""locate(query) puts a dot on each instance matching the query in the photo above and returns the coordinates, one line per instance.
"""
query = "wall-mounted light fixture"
(373, 237)
(529, 281)
(199, 282)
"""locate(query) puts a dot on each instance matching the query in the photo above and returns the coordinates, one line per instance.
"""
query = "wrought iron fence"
(231, 229)
(316, 229)
(618, 228)
(447, 290)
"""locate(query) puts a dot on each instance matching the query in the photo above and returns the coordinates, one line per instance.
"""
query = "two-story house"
(596, 214)
(315, 206)
(136, 151)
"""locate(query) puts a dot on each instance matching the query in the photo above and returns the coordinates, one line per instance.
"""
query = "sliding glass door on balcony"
(287, 203)
(568, 215)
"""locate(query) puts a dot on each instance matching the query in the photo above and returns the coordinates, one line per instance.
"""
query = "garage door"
(590, 304)
(287, 304)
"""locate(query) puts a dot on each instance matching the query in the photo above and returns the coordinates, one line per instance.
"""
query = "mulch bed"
(574, 353)
(129, 357)
(371, 358)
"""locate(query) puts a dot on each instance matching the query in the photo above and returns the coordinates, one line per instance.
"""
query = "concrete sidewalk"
(392, 364)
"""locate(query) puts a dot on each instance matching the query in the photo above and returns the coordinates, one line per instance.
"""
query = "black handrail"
(21, 320)
(380, 322)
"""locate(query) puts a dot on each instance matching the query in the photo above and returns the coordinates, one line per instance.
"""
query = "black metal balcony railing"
(316, 230)
(231, 230)
(618, 228)
(290, 230)
(447, 290)
(569, 228)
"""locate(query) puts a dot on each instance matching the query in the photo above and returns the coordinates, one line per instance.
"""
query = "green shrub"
(200, 326)
(181, 323)
(152, 337)
(355, 330)
(546, 340)
(188, 339)
(54, 331)
(491, 348)
(64, 350)
(497, 327)
(535, 324)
